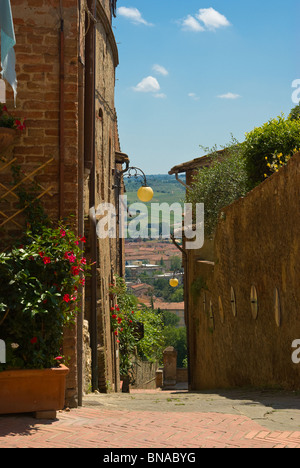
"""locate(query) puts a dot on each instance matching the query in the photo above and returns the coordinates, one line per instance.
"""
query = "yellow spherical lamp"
(145, 194)
(174, 282)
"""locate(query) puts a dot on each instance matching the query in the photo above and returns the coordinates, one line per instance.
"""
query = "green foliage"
(219, 185)
(163, 289)
(177, 338)
(279, 135)
(295, 113)
(176, 263)
(39, 283)
(127, 319)
(150, 348)
(170, 319)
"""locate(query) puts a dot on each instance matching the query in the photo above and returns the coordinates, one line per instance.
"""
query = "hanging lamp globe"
(174, 282)
(145, 194)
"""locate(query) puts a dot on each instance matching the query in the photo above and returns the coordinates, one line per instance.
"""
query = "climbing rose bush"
(40, 281)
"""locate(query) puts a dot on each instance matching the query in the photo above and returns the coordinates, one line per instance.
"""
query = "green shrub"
(295, 113)
(219, 185)
(126, 318)
(278, 136)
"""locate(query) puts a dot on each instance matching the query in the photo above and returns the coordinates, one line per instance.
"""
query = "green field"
(166, 190)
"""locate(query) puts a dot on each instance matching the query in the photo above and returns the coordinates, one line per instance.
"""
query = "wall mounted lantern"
(145, 193)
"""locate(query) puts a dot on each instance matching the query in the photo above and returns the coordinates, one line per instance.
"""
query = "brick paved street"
(117, 421)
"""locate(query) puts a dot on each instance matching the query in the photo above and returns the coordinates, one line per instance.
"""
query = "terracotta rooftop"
(141, 285)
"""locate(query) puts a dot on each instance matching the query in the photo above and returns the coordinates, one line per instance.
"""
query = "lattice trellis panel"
(7, 193)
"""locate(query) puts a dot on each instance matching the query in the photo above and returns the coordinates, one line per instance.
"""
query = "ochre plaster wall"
(257, 243)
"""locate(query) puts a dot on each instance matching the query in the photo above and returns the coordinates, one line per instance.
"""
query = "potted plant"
(39, 293)
(9, 125)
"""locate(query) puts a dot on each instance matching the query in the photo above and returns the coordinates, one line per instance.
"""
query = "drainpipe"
(187, 317)
(186, 301)
(61, 119)
(186, 290)
(80, 316)
(89, 163)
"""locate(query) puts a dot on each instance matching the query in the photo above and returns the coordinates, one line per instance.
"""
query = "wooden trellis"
(12, 191)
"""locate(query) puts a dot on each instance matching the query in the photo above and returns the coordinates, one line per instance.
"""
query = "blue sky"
(192, 73)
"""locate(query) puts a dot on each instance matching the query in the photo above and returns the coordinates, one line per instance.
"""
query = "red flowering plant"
(40, 280)
(7, 120)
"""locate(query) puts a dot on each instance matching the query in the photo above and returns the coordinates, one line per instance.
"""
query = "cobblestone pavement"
(158, 419)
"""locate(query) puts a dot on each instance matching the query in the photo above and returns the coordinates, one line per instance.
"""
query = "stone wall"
(181, 375)
(87, 359)
(244, 315)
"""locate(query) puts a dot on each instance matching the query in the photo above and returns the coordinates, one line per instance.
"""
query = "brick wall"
(37, 28)
(40, 76)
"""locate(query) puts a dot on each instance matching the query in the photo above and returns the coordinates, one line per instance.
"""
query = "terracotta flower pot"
(32, 391)
(7, 136)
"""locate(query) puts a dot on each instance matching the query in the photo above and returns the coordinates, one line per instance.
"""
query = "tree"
(176, 263)
(178, 295)
(170, 319)
(177, 338)
(219, 185)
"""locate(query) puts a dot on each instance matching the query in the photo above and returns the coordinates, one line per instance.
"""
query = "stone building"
(242, 291)
(66, 57)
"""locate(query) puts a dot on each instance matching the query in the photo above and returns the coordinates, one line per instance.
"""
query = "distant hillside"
(166, 188)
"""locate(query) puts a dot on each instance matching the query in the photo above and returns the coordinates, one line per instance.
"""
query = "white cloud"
(229, 96)
(160, 96)
(207, 19)
(194, 96)
(133, 14)
(191, 24)
(212, 19)
(148, 85)
(160, 70)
